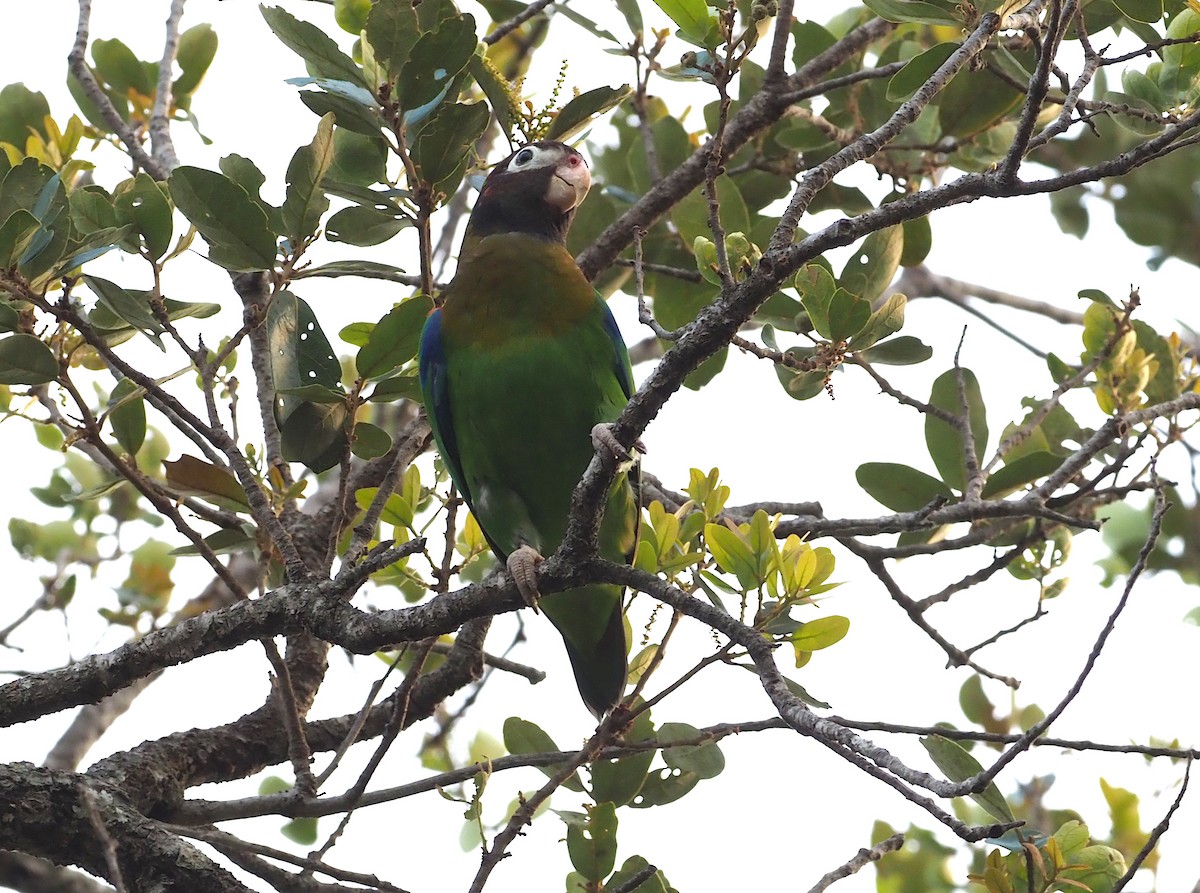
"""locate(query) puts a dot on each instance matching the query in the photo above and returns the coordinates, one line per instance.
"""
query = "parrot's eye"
(523, 157)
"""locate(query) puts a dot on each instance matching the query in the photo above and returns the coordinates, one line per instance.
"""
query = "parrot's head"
(535, 190)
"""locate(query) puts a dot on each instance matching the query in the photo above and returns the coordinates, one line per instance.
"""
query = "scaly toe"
(522, 566)
(604, 439)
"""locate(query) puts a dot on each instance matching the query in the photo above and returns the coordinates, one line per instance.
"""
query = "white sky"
(784, 807)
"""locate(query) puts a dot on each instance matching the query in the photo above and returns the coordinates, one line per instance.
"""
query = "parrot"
(522, 370)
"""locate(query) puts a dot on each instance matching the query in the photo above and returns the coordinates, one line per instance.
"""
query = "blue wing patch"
(621, 365)
(436, 391)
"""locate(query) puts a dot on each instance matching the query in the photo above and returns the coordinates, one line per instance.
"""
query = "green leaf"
(141, 202)
(127, 415)
(820, 633)
(973, 102)
(592, 846)
(445, 145)
(524, 737)
(351, 15)
(226, 541)
(918, 240)
(580, 111)
(952, 759)
(696, 24)
(914, 11)
(905, 350)
(434, 62)
(900, 488)
(313, 45)
(315, 434)
(362, 226)
(943, 440)
(306, 200)
(120, 68)
(690, 216)
(394, 341)
(885, 321)
(704, 760)
(397, 387)
(370, 441)
(195, 477)
(300, 353)
(367, 269)
(21, 110)
(495, 88)
(1148, 11)
(24, 359)
(235, 228)
(349, 114)
(848, 315)
(197, 47)
(870, 271)
(816, 286)
(132, 308)
(301, 831)
(917, 71)
(17, 231)
(618, 781)
(392, 31)
(357, 159)
(665, 786)
(633, 866)
(1019, 472)
(733, 554)
(10, 321)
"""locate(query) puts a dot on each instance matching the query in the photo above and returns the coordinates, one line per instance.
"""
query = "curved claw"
(604, 440)
(522, 567)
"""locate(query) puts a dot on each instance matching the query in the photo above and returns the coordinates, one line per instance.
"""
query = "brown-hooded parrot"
(522, 369)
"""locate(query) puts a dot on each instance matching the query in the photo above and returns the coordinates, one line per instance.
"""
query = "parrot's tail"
(600, 670)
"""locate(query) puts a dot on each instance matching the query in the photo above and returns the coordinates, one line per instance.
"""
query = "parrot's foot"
(603, 439)
(522, 566)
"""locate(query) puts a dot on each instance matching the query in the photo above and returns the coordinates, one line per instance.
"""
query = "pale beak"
(570, 183)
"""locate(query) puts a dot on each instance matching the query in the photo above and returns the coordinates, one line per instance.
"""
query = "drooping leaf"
(524, 737)
(580, 111)
(592, 846)
(197, 47)
(127, 415)
(943, 440)
(315, 435)
(951, 758)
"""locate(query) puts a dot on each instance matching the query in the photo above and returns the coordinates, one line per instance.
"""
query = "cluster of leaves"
(131, 85)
